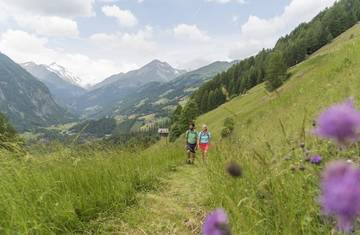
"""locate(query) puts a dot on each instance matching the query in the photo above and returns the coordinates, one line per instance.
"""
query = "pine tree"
(204, 102)
(176, 114)
(211, 99)
(189, 114)
(275, 73)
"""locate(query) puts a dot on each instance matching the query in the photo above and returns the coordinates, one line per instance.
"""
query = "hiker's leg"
(188, 156)
(193, 157)
(204, 155)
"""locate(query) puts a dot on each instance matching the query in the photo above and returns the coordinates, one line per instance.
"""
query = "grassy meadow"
(279, 190)
(63, 190)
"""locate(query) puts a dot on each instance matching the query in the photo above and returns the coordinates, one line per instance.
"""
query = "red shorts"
(204, 147)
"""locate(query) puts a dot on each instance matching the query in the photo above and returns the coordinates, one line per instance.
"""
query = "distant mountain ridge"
(114, 89)
(161, 98)
(155, 71)
(158, 98)
(61, 83)
(25, 100)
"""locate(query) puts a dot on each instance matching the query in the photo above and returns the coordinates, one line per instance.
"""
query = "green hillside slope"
(330, 75)
(278, 192)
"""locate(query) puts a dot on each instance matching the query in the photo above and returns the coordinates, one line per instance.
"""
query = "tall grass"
(277, 195)
(62, 191)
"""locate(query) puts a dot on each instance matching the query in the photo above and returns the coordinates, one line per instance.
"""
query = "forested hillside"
(271, 65)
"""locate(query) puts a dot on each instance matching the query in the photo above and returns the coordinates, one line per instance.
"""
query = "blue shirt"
(204, 137)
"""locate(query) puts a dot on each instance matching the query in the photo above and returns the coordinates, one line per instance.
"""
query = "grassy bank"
(62, 191)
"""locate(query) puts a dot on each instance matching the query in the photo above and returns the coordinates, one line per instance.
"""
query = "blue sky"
(97, 38)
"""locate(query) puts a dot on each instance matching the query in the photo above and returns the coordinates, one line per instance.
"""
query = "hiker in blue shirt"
(204, 139)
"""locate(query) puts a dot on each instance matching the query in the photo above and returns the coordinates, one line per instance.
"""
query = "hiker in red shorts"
(204, 139)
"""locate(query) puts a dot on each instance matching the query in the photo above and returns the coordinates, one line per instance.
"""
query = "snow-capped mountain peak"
(64, 74)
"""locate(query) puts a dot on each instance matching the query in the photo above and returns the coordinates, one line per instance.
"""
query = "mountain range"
(63, 85)
(161, 98)
(25, 100)
(153, 89)
(38, 95)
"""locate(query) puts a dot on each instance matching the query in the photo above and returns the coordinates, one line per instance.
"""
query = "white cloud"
(48, 25)
(190, 32)
(22, 47)
(124, 17)
(35, 21)
(227, 1)
(258, 33)
(63, 8)
(140, 42)
(108, 1)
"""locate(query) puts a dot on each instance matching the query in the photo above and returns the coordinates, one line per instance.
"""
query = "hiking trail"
(177, 208)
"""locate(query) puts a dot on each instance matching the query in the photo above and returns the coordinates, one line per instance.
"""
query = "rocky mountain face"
(62, 84)
(25, 100)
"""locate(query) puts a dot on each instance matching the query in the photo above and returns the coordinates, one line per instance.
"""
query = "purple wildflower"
(216, 223)
(316, 159)
(340, 122)
(341, 193)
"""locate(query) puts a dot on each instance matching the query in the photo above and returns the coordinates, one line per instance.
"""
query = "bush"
(229, 125)
(225, 132)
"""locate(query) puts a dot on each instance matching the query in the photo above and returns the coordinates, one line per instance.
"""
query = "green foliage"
(135, 141)
(229, 126)
(225, 132)
(9, 140)
(64, 192)
(229, 123)
(176, 131)
(189, 113)
(98, 128)
(275, 71)
(176, 114)
(181, 123)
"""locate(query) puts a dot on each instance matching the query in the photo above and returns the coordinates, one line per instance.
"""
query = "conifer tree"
(275, 73)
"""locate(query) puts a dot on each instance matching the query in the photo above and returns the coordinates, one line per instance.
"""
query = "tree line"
(269, 65)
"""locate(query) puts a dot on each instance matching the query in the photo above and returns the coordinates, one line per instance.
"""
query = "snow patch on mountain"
(65, 74)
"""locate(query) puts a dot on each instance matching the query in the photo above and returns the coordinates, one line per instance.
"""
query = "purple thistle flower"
(216, 223)
(341, 193)
(316, 159)
(340, 122)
